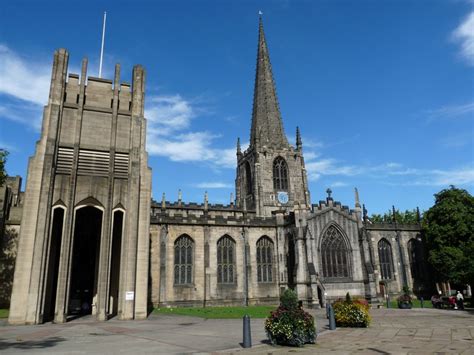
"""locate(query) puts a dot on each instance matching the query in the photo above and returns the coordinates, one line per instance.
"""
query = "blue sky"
(383, 91)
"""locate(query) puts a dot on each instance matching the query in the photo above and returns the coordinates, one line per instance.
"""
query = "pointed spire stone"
(356, 193)
(299, 143)
(239, 150)
(266, 118)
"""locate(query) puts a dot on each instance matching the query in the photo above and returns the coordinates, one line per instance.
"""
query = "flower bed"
(290, 325)
(352, 313)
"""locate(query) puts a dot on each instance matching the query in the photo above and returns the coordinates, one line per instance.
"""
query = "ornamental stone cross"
(329, 192)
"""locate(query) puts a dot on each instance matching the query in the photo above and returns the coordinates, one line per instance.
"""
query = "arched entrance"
(85, 260)
(115, 262)
(57, 223)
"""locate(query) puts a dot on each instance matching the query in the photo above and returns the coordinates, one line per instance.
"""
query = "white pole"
(102, 46)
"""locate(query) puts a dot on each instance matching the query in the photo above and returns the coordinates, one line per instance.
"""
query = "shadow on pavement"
(31, 344)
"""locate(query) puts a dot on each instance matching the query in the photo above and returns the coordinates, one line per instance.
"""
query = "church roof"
(267, 126)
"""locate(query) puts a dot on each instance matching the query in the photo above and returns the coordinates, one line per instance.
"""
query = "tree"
(3, 160)
(448, 229)
(407, 217)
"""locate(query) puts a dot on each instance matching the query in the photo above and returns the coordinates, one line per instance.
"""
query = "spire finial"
(231, 198)
(299, 144)
(163, 201)
(364, 212)
(394, 218)
(206, 201)
(239, 151)
(180, 197)
(356, 193)
(418, 215)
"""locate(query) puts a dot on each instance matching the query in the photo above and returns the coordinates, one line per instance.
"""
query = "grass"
(218, 312)
(415, 304)
(3, 313)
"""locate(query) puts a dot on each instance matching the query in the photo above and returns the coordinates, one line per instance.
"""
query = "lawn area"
(415, 304)
(218, 312)
(3, 313)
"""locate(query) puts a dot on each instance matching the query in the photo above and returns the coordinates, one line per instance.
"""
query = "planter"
(404, 305)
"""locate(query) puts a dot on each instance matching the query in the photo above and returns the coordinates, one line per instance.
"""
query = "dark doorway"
(115, 262)
(85, 260)
(290, 261)
(53, 264)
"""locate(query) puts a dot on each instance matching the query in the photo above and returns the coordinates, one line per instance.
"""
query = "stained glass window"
(183, 260)
(335, 254)
(265, 260)
(225, 260)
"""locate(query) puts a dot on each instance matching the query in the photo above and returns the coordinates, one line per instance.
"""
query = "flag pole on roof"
(102, 45)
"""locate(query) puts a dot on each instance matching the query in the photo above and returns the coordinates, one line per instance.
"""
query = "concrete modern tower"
(270, 174)
(84, 239)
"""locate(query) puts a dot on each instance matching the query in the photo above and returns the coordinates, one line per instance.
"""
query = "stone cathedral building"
(91, 241)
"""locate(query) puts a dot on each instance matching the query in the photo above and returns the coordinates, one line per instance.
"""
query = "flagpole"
(102, 45)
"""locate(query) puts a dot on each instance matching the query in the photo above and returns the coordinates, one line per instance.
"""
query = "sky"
(383, 91)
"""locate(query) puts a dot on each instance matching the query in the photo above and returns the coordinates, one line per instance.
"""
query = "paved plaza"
(392, 331)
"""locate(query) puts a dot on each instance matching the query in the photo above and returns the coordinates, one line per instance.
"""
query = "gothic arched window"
(183, 260)
(385, 259)
(280, 174)
(413, 253)
(264, 260)
(226, 260)
(335, 254)
(248, 178)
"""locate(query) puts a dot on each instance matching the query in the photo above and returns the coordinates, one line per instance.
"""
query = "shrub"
(352, 314)
(290, 325)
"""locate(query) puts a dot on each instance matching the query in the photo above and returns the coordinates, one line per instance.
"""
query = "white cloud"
(168, 113)
(214, 185)
(23, 79)
(338, 184)
(464, 34)
(392, 173)
(450, 111)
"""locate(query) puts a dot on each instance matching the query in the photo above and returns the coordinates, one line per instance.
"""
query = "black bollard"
(247, 335)
(421, 302)
(327, 310)
(332, 320)
(388, 302)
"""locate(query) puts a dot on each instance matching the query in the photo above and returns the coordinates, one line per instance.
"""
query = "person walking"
(460, 300)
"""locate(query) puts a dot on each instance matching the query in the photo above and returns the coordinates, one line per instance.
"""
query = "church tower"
(271, 174)
(84, 237)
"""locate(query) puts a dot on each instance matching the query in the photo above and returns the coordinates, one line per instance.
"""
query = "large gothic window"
(265, 260)
(280, 174)
(183, 260)
(385, 259)
(226, 260)
(335, 254)
(248, 178)
(413, 257)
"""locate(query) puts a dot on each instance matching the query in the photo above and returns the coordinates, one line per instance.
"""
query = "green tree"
(448, 228)
(3, 160)
(407, 217)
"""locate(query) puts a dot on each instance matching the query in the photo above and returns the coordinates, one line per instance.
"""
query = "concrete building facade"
(89, 183)
(84, 238)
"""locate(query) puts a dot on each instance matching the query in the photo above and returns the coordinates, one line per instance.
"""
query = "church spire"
(267, 125)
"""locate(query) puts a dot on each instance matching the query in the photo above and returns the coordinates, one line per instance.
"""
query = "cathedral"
(92, 239)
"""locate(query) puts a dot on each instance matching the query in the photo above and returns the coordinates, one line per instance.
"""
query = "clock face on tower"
(282, 197)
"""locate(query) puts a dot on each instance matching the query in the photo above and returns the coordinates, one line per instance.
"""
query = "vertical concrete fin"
(138, 91)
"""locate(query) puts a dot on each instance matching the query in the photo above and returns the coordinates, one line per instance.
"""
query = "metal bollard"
(247, 341)
(327, 310)
(332, 320)
(388, 302)
(421, 302)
